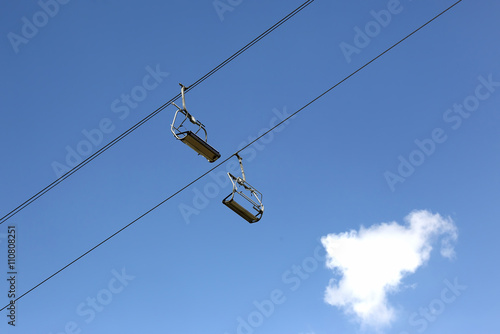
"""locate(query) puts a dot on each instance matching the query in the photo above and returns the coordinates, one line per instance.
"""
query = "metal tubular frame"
(189, 137)
(256, 203)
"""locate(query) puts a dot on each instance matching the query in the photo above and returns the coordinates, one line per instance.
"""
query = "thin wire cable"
(154, 113)
(234, 154)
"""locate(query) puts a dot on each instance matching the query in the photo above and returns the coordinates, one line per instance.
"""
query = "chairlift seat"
(199, 145)
(244, 213)
(256, 202)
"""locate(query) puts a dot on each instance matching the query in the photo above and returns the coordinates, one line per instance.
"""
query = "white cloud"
(373, 261)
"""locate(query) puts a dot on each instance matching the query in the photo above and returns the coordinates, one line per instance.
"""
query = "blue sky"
(410, 141)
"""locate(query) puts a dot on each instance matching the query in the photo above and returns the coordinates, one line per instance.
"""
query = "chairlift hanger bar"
(183, 90)
(241, 166)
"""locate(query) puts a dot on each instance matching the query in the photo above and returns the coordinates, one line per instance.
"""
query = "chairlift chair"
(189, 137)
(243, 190)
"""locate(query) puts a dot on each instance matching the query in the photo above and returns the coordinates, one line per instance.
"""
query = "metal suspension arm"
(241, 166)
(183, 89)
(189, 116)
